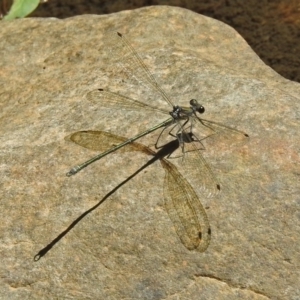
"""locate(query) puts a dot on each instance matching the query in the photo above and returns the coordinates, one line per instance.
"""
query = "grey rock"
(127, 247)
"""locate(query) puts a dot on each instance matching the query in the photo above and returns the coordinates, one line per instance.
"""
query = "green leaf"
(21, 8)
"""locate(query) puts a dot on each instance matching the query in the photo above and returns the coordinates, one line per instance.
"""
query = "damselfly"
(180, 124)
(182, 203)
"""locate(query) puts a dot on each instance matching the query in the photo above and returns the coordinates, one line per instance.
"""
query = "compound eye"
(200, 109)
(193, 102)
(196, 106)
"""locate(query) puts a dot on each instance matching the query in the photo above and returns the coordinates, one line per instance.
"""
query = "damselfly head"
(195, 106)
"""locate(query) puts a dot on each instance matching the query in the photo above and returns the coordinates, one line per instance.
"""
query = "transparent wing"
(195, 166)
(185, 210)
(189, 155)
(220, 133)
(182, 204)
(125, 55)
(102, 141)
(114, 100)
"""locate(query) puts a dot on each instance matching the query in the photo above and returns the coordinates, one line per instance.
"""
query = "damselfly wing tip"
(200, 233)
(204, 240)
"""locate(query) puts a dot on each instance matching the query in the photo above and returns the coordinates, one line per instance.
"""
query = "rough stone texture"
(271, 28)
(127, 247)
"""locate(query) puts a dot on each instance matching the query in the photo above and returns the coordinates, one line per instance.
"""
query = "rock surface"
(271, 28)
(127, 248)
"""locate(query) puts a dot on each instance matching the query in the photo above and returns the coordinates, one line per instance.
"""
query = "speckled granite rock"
(127, 247)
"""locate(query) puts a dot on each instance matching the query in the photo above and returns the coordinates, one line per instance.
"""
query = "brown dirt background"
(271, 27)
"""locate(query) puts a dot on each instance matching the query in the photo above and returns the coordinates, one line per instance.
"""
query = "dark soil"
(271, 27)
